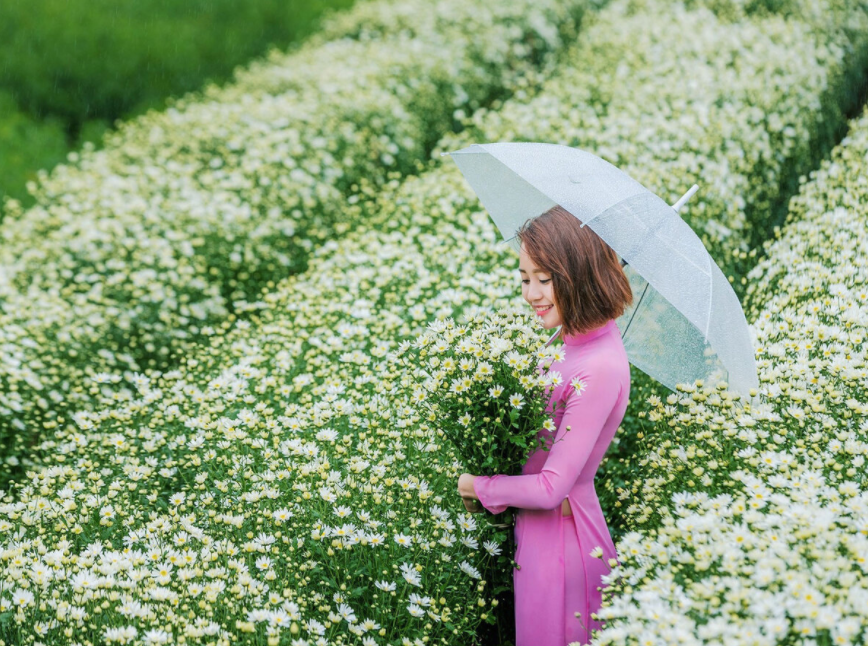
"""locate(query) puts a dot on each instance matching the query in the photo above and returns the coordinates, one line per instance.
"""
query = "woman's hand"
(468, 495)
(465, 486)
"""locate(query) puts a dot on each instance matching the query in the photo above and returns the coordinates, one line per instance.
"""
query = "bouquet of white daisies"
(485, 385)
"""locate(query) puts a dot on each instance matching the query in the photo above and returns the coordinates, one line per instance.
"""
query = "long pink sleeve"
(586, 414)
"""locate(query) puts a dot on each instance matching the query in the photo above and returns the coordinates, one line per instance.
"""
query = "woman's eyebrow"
(536, 271)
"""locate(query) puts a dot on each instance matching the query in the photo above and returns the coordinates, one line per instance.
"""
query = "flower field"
(760, 507)
(134, 252)
(200, 327)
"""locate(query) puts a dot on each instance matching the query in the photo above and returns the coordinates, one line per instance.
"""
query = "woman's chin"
(547, 322)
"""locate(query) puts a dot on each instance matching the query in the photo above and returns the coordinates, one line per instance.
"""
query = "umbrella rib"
(649, 231)
(710, 301)
(635, 309)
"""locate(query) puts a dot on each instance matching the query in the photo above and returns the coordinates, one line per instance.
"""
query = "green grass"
(71, 68)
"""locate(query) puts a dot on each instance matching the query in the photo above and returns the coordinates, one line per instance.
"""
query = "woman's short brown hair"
(590, 286)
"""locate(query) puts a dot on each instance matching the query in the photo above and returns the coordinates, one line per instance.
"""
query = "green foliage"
(80, 60)
(25, 145)
(72, 68)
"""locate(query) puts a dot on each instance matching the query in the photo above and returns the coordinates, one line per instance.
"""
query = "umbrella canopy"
(686, 322)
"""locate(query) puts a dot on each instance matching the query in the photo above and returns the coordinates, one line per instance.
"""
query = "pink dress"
(556, 577)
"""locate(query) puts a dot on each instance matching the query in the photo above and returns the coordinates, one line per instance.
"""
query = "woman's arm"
(585, 415)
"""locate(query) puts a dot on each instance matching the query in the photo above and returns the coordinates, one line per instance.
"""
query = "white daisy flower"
(579, 385)
(469, 570)
(415, 610)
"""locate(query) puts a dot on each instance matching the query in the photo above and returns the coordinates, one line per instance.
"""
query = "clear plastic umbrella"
(686, 322)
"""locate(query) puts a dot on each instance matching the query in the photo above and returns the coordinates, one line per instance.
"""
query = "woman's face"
(537, 289)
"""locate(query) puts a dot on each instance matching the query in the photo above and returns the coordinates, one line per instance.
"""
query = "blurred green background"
(70, 68)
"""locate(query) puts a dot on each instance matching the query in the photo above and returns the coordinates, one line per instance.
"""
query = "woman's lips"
(541, 311)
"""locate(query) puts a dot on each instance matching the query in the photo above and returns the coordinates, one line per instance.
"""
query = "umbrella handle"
(554, 336)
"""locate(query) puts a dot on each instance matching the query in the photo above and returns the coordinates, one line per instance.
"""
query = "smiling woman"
(538, 291)
(573, 280)
(576, 276)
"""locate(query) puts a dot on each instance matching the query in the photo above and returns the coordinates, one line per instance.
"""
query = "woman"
(574, 280)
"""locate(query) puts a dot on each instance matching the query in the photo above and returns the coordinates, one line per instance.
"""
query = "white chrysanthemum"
(492, 548)
(157, 636)
(553, 378)
(22, 598)
(347, 613)
(415, 610)
(411, 575)
(578, 385)
(469, 570)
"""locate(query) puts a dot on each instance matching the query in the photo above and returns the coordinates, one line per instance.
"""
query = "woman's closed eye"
(544, 282)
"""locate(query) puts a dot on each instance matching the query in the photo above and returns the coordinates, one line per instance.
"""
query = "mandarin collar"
(580, 339)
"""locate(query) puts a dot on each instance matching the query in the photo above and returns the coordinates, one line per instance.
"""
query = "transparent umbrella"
(686, 322)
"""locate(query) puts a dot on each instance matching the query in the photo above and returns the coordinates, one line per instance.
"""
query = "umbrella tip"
(677, 206)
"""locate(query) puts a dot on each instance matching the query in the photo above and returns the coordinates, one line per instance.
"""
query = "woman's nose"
(533, 292)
